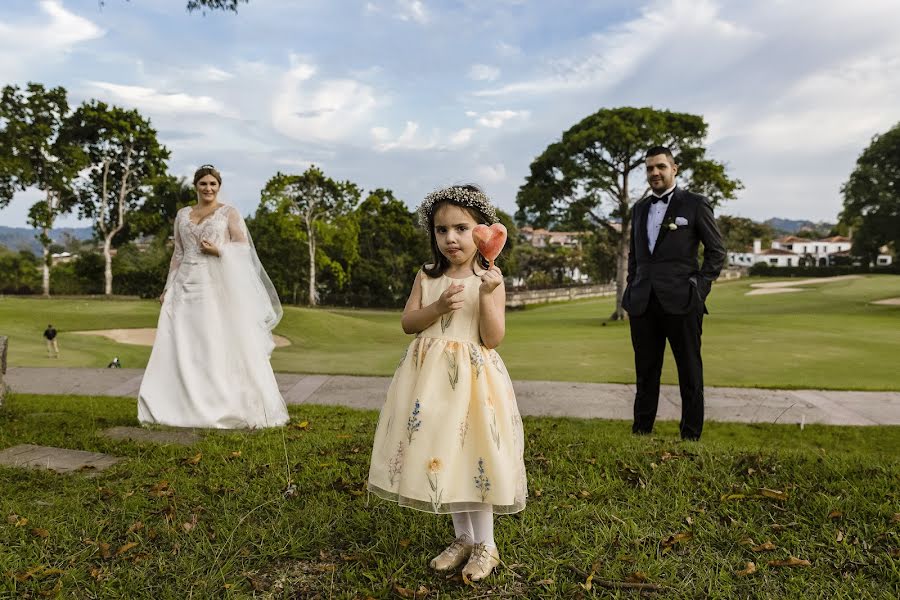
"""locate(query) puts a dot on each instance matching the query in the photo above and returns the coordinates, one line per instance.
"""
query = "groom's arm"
(713, 248)
(632, 261)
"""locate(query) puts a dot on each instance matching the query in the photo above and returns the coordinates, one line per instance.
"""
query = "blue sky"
(415, 94)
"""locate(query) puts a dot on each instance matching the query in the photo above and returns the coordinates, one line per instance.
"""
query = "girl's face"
(453, 231)
(207, 189)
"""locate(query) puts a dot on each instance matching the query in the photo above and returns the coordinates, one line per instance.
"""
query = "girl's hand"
(207, 247)
(490, 280)
(451, 299)
(162, 297)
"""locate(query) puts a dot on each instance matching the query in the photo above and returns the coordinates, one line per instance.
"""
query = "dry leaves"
(17, 520)
(791, 561)
(773, 494)
(749, 569)
(677, 538)
(764, 547)
(125, 548)
(193, 460)
(835, 514)
(136, 526)
(403, 592)
(40, 532)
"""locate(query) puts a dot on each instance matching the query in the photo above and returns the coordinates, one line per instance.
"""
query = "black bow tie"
(663, 199)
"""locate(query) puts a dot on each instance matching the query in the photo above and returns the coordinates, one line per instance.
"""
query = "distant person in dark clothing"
(115, 364)
(52, 344)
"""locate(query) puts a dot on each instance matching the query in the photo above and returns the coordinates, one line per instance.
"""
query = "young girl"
(449, 439)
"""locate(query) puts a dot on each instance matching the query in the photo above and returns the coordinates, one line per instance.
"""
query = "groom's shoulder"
(693, 197)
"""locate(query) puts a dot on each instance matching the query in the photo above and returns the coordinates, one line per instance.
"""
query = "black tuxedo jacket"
(672, 270)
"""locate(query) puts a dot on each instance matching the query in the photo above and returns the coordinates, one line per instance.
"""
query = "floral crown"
(465, 196)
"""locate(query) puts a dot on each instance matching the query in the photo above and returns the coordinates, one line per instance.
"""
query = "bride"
(210, 362)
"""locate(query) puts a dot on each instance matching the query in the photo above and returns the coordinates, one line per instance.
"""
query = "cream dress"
(449, 438)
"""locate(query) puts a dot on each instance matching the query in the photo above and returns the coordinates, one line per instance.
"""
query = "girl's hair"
(470, 198)
(205, 170)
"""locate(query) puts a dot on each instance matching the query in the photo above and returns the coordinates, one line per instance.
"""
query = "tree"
(124, 158)
(391, 250)
(35, 152)
(738, 233)
(315, 199)
(167, 195)
(588, 177)
(204, 5)
(872, 196)
(18, 272)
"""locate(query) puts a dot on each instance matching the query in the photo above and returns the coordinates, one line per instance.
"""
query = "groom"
(666, 291)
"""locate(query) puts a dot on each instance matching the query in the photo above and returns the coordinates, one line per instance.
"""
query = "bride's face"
(207, 189)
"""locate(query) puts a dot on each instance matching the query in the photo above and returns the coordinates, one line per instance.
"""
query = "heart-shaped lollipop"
(490, 240)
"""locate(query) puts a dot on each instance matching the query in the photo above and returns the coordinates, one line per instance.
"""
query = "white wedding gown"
(210, 362)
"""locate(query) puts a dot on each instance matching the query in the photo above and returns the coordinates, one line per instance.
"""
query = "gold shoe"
(481, 563)
(454, 555)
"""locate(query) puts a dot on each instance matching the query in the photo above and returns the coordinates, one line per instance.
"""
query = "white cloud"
(495, 119)
(491, 173)
(412, 10)
(328, 110)
(483, 72)
(49, 39)
(462, 137)
(606, 58)
(153, 101)
(507, 50)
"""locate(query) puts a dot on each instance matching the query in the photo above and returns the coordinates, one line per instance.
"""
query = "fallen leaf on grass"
(125, 548)
(637, 577)
(895, 553)
(161, 489)
(40, 532)
(764, 547)
(54, 591)
(411, 594)
(587, 582)
(189, 526)
(773, 494)
(233, 455)
(136, 526)
(193, 460)
(895, 518)
(404, 543)
(291, 491)
(791, 561)
(676, 538)
(17, 520)
(727, 497)
(544, 582)
(302, 425)
(104, 550)
(839, 537)
(98, 573)
(835, 514)
(749, 569)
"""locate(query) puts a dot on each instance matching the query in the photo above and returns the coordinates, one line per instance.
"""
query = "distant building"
(793, 251)
(542, 238)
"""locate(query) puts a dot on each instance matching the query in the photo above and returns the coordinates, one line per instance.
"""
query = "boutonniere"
(670, 225)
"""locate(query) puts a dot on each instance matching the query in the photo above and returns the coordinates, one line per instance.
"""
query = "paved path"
(544, 398)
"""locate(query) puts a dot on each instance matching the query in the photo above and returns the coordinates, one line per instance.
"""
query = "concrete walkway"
(536, 398)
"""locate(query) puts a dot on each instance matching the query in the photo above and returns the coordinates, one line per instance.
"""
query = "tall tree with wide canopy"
(35, 153)
(593, 175)
(124, 158)
(316, 200)
(872, 196)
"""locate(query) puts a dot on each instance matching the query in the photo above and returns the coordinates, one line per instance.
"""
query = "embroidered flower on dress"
(482, 482)
(413, 424)
(395, 464)
(476, 358)
(435, 465)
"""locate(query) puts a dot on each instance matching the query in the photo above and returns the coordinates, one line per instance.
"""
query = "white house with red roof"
(793, 251)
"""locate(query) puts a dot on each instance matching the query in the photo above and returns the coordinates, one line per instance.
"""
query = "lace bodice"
(222, 226)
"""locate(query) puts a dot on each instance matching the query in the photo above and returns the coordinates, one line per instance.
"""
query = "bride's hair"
(468, 197)
(205, 170)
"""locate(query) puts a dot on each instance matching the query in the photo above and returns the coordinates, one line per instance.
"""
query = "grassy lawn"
(829, 336)
(211, 521)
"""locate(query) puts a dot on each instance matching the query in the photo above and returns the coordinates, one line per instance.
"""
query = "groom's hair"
(657, 150)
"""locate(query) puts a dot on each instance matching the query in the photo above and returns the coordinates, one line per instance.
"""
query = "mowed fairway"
(828, 336)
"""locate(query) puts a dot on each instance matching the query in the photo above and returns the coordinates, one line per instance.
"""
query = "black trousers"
(649, 333)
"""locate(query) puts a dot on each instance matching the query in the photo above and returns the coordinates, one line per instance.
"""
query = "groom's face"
(660, 172)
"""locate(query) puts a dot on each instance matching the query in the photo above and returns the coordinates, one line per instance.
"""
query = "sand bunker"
(146, 336)
(787, 286)
(889, 302)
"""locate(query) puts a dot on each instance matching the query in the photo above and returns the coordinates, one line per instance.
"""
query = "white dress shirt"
(655, 216)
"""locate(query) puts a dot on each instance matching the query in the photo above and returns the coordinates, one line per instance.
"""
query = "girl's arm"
(417, 318)
(492, 308)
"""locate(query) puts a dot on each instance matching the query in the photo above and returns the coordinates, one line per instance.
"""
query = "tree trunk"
(107, 269)
(45, 242)
(622, 250)
(311, 242)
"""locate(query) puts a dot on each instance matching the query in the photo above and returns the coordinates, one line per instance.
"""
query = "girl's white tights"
(477, 526)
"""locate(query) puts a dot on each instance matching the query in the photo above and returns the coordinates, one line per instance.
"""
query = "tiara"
(464, 196)
(206, 167)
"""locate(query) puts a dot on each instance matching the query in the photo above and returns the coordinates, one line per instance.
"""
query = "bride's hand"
(207, 247)
(162, 297)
